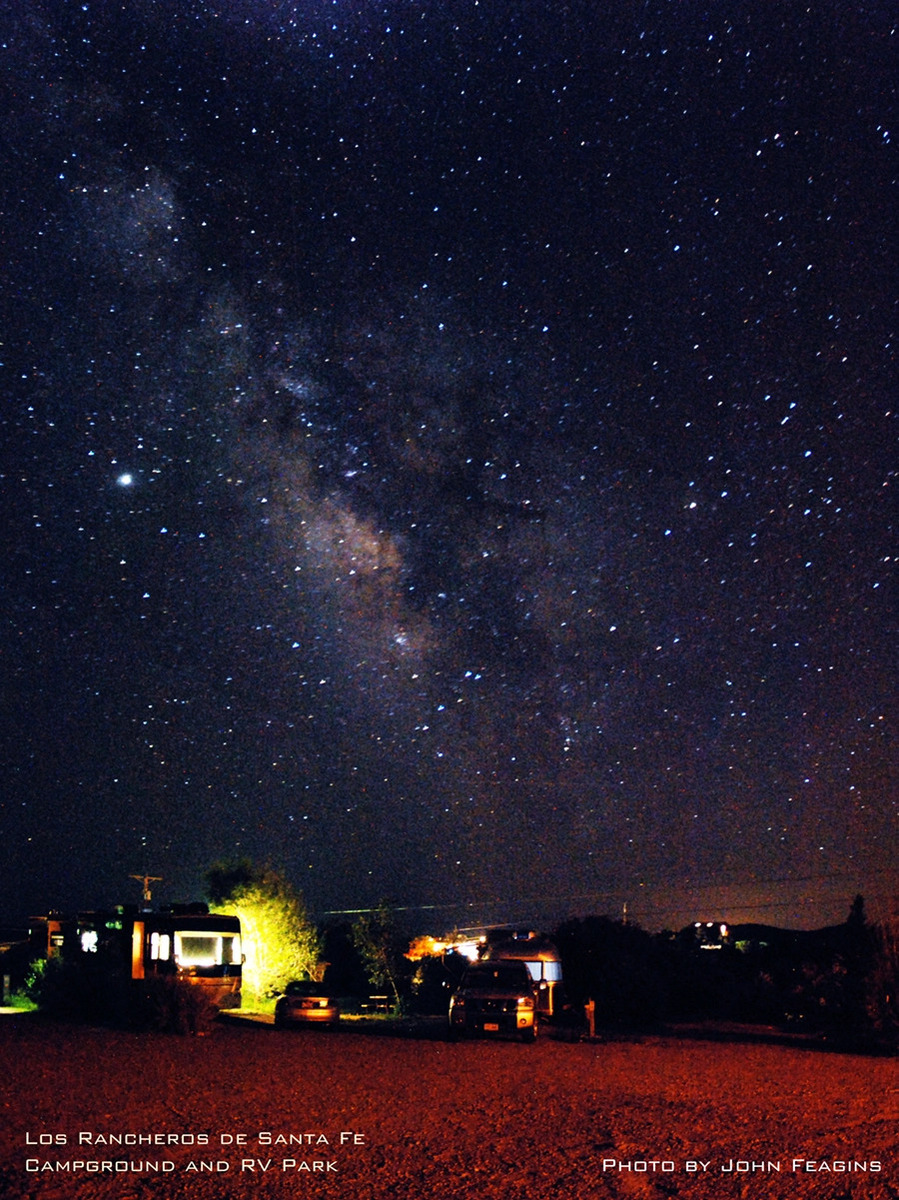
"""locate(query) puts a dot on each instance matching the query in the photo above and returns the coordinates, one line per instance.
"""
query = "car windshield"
(505, 978)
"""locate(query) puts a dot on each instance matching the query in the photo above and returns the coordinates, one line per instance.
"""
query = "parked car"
(305, 1003)
(498, 998)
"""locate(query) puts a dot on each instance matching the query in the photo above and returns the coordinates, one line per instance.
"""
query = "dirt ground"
(251, 1113)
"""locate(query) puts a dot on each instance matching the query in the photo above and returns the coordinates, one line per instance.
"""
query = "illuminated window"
(89, 941)
(540, 970)
(160, 946)
(231, 950)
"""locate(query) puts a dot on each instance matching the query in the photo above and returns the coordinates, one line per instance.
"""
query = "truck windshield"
(505, 978)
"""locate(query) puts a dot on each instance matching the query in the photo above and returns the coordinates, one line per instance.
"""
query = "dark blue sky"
(449, 451)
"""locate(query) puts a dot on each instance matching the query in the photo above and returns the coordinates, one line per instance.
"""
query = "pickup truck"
(497, 998)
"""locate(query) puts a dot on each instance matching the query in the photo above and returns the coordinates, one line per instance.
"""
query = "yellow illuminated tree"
(280, 943)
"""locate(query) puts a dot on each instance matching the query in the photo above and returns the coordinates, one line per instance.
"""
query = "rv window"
(160, 946)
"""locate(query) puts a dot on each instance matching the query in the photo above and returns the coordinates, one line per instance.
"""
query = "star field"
(449, 451)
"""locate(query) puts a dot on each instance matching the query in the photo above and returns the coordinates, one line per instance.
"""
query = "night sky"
(449, 452)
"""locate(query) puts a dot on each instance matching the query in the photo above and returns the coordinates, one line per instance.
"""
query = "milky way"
(449, 452)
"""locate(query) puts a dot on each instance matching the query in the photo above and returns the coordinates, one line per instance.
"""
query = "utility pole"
(146, 880)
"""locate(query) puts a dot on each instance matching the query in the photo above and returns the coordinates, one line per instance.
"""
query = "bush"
(172, 1005)
(74, 992)
(616, 965)
(882, 990)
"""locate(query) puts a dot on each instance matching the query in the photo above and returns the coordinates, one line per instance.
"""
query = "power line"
(678, 896)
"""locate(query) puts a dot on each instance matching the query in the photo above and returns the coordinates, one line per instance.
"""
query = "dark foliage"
(620, 967)
(227, 877)
(433, 981)
(345, 972)
(173, 1006)
(79, 991)
(833, 982)
(82, 991)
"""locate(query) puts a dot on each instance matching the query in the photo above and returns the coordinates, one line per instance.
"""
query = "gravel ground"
(416, 1116)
